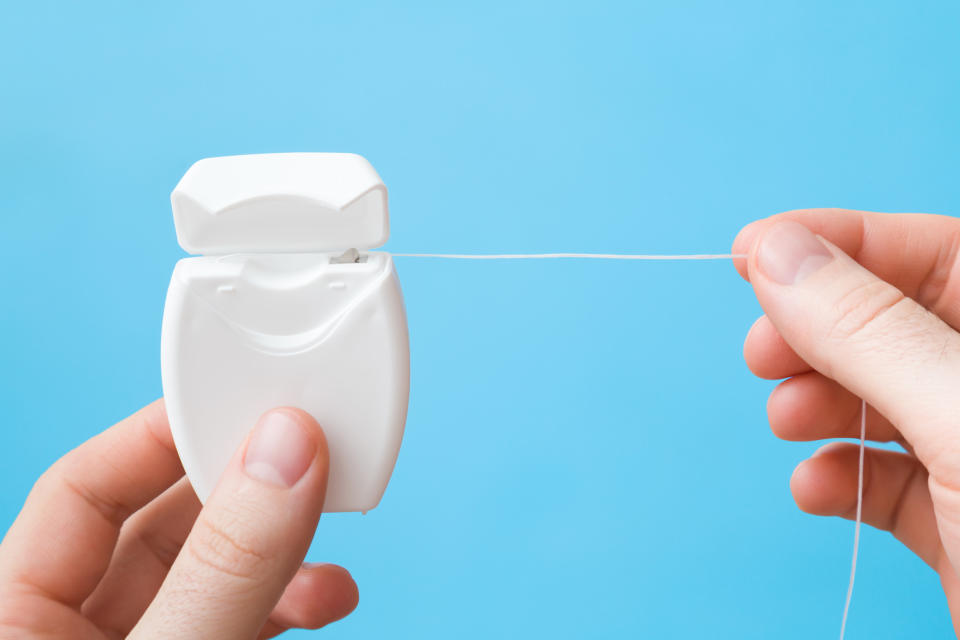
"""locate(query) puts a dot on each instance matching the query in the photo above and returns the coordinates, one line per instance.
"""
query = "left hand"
(95, 553)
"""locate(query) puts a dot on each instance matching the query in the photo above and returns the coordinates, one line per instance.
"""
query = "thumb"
(249, 539)
(864, 333)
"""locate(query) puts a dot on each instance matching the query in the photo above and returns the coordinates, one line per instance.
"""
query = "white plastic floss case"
(286, 306)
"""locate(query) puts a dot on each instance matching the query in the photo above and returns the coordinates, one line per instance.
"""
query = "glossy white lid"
(280, 203)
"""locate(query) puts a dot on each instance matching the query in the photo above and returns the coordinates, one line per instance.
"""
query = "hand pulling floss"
(286, 306)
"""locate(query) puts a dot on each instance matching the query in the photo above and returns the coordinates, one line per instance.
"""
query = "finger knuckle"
(222, 548)
(11, 618)
(165, 548)
(13, 624)
(20, 617)
(68, 478)
(868, 307)
(63, 479)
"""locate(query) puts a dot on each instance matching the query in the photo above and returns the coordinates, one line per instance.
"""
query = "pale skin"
(112, 542)
(872, 314)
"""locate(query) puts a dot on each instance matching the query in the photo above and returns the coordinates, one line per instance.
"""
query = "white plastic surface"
(280, 202)
(248, 332)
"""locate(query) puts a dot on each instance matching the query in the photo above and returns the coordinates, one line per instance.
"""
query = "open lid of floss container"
(280, 203)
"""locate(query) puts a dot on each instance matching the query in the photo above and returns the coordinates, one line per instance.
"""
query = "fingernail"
(280, 449)
(789, 252)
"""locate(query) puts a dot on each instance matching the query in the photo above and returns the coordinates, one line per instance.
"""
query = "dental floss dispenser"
(285, 306)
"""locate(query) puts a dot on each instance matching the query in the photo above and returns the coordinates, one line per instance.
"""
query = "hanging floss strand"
(856, 527)
(670, 257)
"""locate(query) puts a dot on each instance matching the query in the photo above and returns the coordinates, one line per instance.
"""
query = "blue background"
(586, 454)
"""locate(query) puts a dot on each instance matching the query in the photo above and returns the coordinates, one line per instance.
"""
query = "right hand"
(866, 305)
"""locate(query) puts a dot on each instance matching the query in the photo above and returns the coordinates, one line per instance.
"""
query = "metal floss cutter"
(286, 307)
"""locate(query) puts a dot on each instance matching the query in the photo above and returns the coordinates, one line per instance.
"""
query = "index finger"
(62, 541)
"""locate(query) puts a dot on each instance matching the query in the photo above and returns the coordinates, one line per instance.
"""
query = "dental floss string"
(587, 256)
(684, 256)
(856, 528)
